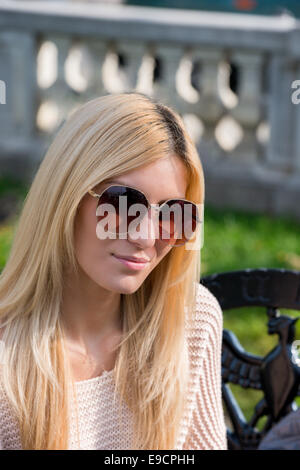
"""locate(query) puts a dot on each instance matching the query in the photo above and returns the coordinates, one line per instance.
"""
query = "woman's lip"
(131, 264)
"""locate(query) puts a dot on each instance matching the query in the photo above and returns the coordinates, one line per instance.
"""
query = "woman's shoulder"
(207, 309)
(8, 423)
(205, 325)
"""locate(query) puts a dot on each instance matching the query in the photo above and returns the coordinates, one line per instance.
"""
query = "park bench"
(277, 374)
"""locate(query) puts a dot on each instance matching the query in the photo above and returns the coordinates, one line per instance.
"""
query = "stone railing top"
(277, 34)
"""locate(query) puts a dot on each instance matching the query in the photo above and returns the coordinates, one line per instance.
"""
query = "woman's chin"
(129, 289)
(126, 287)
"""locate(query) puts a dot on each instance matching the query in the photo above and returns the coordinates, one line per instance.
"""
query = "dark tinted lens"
(178, 221)
(114, 205)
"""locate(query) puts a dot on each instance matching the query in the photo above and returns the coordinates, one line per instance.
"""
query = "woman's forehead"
(166, 170)
(159, 182)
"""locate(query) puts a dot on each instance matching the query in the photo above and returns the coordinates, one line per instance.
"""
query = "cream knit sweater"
(203, 425)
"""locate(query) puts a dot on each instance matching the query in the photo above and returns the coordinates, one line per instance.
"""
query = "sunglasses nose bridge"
(147, 228)
(154, 208)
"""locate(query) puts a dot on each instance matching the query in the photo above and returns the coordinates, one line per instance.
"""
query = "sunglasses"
(177, 219)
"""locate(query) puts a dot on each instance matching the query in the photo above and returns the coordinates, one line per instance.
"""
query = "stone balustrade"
(230, 77)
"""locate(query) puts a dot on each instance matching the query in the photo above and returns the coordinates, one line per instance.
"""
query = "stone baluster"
(133, 53)
(185, 88)
(92, 67)
(248, 111)
(146, 72)
(209, 108)
(165, 89)
(61, 93)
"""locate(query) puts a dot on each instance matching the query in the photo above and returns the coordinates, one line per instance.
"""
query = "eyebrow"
(125, 184)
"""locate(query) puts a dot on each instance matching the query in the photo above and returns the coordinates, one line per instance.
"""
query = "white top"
(203, 425)
(98, 427)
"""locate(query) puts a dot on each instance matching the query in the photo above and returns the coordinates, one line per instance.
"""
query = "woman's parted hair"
(103, 138)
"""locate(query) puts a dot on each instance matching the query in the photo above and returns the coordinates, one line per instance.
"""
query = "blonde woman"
(111, 343)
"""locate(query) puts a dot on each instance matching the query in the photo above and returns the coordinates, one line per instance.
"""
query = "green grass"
(233, 240)
(19, 189)
(10, 185)
(236, 240)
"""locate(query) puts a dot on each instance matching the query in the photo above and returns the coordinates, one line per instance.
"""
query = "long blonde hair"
(103, 138)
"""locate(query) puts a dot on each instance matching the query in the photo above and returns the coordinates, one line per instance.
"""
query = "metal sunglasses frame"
(157, 209)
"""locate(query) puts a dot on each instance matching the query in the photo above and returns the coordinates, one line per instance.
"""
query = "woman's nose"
(146, 231)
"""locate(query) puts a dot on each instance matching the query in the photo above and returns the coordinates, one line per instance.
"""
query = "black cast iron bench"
(277, 374)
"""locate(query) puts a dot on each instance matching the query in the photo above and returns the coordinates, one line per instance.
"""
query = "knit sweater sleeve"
(207, 429)
(9, 431)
